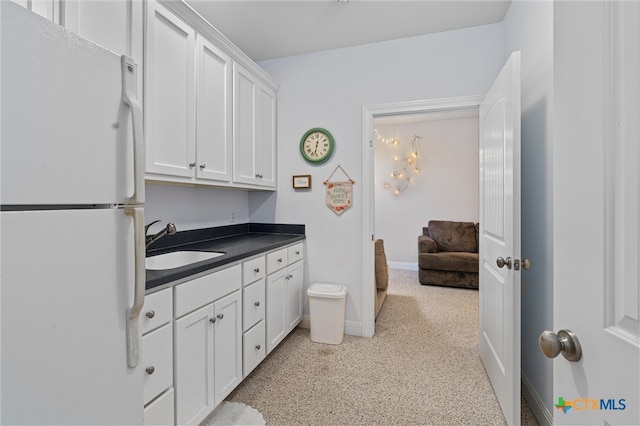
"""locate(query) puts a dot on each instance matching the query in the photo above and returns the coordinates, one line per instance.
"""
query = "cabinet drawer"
(160, 411)
(157, 310)
(276, 260)
(253, 300)
(253, 270)
(201, 291)
(295, 253)
(253, 348)
(157, 362)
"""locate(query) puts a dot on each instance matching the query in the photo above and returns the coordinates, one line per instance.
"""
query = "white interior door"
(499, 340)
(596, 210)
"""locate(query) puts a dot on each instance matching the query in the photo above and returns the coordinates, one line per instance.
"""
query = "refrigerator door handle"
(133, 313)
(130, 98)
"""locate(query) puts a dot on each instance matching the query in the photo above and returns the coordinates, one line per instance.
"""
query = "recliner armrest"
(426, 245)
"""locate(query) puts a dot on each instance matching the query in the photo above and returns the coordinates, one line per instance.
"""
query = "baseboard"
(351, 328)
(403, 265)
(540, 411)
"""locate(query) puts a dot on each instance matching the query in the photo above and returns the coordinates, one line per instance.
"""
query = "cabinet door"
(276, 312)
(194, 366)
(214, 125)
(106, 23)
(294, 295)
(244, 136)
(170, 93)
(266, 136)
(227, 345)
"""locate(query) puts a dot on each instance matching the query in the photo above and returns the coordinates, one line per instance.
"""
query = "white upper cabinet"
(169, 93)
(210, 109)
(213, 112)
(254, 137)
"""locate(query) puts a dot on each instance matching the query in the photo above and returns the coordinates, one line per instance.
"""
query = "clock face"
(316, 146)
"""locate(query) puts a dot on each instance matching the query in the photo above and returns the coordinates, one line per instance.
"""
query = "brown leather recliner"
(448, 254)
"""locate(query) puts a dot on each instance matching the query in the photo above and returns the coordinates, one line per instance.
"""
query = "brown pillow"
(381, 267)
(453, 236)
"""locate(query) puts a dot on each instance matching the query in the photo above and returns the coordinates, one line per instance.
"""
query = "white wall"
(445, 189)
(195, 207)
(528, 27)
(329, 89)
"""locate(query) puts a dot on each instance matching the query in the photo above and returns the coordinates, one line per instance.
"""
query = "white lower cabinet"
(161, 410)
(220, 332)
(208, 343)
(284, 293)
(157, 358)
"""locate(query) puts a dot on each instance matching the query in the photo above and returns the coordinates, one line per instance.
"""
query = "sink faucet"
(170, 229)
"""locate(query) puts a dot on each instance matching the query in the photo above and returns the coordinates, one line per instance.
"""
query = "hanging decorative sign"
(339, 193)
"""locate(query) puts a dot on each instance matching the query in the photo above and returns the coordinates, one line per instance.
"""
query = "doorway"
(370, 114)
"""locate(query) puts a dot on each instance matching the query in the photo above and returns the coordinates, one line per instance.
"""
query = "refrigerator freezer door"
(67, 282)
(66, 133)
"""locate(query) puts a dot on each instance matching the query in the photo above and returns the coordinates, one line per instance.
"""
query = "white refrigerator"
(72, 249)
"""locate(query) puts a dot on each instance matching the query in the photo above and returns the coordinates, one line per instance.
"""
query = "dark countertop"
(235, 241)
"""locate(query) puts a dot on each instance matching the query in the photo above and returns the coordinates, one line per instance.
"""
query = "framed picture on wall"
(301, 182)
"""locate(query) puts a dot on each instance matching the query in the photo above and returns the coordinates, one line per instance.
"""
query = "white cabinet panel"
(254, 139)
(194, 366)
(294, 295)
(161, 411)
(227, 345)
(206, 289)
(214, 125)
(253, 270)
(170, 93)
(276, 311)
(253, 348)
(253, 300)
(276, 260)
(157, 310)
(157, 362)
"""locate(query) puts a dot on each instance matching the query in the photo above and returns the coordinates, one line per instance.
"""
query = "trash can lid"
(327, 290)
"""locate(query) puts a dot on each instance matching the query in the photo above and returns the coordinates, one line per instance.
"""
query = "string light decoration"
(406, 165)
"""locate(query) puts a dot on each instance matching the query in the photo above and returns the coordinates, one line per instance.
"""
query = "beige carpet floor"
(421, 368)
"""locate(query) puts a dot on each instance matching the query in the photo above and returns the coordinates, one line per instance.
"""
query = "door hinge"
(372, 237)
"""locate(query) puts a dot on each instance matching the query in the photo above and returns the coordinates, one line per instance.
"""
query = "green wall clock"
(316, 145)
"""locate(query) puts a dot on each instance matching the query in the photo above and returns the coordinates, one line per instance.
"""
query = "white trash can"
(326, 312)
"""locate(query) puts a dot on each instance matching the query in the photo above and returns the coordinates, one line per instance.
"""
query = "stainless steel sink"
(177, 259)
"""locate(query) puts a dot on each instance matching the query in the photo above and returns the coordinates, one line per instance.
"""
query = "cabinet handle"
(259, 175)
(151, 314)
(279, 260)
(220, 316)
(257, 270)
(212, 320)
(298, 252)
(257, 347)
(192, 164)
(202, 166)
(257, 303)
(150, 370)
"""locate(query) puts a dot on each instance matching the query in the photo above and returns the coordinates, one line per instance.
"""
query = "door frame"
(369, 113)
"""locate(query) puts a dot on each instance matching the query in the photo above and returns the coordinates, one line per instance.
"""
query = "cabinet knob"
(220, 316)
(192, 164)
(257, 303)
(202, 166)
(151, 314)
(257, 270)
(298, 252)
(259, 175)
(258, 347)
(279, 260)
(212, 320)
(150, 370)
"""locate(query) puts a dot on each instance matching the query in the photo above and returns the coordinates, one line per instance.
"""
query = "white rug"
(234, 413)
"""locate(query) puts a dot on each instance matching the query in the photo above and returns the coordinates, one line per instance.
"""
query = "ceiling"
(266, 29)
